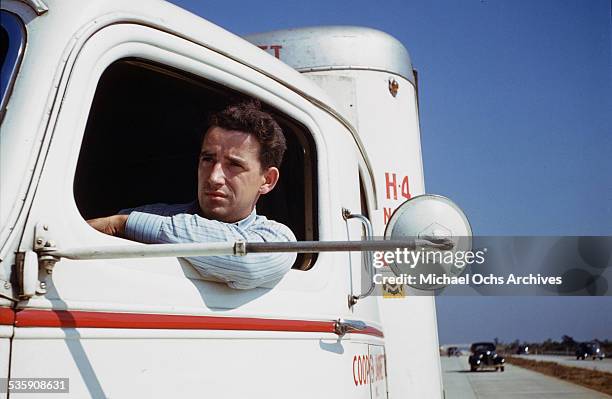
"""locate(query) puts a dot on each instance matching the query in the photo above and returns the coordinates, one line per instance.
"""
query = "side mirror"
(429, 218)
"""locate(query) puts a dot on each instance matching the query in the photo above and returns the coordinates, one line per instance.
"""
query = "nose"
(216, 177)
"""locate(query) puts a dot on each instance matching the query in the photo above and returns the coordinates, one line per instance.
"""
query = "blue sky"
(516, 127)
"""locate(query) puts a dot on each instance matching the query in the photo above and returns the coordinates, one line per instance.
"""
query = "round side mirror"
(430, 218)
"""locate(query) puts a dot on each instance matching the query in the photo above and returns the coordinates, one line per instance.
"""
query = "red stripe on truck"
(84, 319)
(7, 316)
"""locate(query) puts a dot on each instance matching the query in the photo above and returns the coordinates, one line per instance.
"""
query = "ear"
(270, 176)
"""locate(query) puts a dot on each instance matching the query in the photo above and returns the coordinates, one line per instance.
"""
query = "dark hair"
(248, 117)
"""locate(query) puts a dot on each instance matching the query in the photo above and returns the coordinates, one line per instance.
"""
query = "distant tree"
(568, 342)
(548, 345)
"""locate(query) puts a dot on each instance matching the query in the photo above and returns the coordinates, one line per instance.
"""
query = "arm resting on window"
(240, 272)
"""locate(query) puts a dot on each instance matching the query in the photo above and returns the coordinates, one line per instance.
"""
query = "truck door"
(156, 327)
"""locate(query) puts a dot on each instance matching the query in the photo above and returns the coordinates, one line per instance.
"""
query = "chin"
(210, 211)
(215, 215)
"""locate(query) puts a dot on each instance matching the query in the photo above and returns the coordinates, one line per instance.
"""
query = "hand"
(111, 225)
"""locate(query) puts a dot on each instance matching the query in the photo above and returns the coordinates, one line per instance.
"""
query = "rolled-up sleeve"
(143, 227)
(241, 272)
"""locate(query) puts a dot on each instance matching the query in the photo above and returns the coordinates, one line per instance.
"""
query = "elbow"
(273, 271)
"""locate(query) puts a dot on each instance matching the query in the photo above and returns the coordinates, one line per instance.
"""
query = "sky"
(516, 126)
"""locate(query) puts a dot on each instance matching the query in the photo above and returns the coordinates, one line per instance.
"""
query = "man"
(239, 160)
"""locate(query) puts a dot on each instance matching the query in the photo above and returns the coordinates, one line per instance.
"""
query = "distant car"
(589, 349)
(484, 357)
(453, 351)
(522, 350)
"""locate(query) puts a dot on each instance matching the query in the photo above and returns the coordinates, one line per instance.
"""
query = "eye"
(206, 158)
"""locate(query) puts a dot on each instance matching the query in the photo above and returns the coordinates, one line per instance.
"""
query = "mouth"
(215, 194)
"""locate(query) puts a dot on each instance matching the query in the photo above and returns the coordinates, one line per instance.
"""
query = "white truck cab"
(103, 103)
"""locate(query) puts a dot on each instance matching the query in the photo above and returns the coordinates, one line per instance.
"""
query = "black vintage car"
(589, 349)
(484, 356)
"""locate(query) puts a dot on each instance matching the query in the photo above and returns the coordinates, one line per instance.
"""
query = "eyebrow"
(232, 158)
(239, 160)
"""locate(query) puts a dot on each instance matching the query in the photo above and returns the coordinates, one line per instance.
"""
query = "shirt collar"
(195, 208)
(247, 220)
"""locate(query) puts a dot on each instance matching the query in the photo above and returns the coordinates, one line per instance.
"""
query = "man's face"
(230, 176)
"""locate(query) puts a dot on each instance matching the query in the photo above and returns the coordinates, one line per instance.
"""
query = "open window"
(141, 146)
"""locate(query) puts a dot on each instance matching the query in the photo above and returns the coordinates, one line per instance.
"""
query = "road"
(601, 365)
(514, 383)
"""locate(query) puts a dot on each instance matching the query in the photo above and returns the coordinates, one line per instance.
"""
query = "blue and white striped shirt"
(164, 224)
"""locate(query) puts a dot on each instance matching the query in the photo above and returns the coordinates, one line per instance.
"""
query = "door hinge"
(27, 266)
(33, 266)
(42, 244)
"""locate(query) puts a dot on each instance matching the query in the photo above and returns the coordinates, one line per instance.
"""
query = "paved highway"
(515, 382)
(601, 365)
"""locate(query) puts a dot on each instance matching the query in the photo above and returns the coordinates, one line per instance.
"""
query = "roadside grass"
(594, 379)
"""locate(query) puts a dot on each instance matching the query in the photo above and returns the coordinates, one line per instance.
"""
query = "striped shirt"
(166, 224)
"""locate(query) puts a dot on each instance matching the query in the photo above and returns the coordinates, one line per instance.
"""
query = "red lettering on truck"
(276, 48)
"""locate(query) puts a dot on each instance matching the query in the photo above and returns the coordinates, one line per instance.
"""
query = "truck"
(102, 104)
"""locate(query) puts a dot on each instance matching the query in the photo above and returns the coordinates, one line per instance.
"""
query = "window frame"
(17, 39)
(297, 133)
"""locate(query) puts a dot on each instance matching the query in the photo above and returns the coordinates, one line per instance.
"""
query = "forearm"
(245, 272)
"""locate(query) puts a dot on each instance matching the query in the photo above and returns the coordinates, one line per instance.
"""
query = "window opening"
(142, 141)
